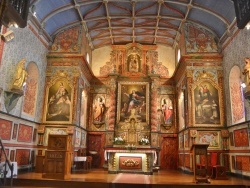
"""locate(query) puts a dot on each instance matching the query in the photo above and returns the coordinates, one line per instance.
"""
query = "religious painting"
(206, 104)
(59, 102)
(99, 110)
(25, 133)
(14, 132)
(209, 137)
(134, 63)
(181, 110)
(83, 107)
(167, 110)
(5, 129)
(133, 99)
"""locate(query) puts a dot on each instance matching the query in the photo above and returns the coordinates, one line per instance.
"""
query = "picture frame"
(207, 109)
(127, 105)
(209, 137)
(59, 99)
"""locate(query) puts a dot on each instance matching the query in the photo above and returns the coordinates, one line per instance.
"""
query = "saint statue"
(20, 76)
(246, 71)
(134, 63)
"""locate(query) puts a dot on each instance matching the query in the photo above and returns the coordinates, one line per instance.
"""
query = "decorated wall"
(234, 56)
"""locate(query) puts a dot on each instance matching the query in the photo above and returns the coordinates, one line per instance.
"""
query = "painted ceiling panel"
(61, 20)
(110, 22)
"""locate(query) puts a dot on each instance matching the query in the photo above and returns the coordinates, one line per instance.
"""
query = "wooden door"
(169, 153)
(96, 143)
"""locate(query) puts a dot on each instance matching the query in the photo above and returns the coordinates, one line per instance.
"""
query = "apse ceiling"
(110, 22)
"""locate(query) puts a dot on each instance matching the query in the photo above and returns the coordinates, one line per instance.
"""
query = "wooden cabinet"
(58, 157)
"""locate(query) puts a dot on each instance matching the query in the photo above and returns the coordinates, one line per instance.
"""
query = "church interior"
(133, 87)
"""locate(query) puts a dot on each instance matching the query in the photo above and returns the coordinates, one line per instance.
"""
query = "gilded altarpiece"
(207, 100)
(60, 94)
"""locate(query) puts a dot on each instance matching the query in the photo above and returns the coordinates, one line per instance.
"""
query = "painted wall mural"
(198, 39)
(68, 41)
(209, 137)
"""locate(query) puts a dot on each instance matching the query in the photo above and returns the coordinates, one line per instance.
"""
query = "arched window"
(236, 96)
(87, 58)
(30, 95)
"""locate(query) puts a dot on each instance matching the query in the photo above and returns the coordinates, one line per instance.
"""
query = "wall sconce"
(243, 85)
(8, 36)
(248, 26)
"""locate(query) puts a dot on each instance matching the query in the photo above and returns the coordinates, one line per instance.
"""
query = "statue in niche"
(20, 76)
(133, 63)
(99, 109)
(246, 71)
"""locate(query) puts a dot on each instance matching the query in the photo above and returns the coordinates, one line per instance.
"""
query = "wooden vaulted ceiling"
(109, 22)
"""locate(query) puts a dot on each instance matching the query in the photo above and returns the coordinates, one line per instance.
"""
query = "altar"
(139, 160)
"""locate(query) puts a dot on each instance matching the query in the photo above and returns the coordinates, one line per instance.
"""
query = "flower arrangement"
(144, 141)
(119, 140)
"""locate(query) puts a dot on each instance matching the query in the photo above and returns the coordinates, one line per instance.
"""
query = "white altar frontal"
(130, 161)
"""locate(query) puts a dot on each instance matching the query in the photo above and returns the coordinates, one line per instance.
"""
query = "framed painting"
(209, 137)
(206, 104)
(83, 116)
(181, 110)
(167, 111)
(133, 102)
(58, 103)
(14, 133)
